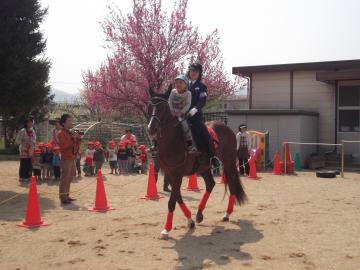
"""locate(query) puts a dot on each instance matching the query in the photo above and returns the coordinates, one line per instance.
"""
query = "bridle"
(156, 101)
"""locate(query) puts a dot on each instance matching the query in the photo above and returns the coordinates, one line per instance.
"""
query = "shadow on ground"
(15, 208)
(218, 248)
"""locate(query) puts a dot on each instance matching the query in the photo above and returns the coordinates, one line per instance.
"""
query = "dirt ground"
(290, 222)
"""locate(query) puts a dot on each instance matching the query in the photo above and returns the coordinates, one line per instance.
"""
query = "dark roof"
(328, 65)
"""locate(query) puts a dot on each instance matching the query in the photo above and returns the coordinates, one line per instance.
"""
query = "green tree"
(24, 70)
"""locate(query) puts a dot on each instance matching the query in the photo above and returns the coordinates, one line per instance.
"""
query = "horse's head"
(159, 112)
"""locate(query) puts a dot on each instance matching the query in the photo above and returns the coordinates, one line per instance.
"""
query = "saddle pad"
(214, 137)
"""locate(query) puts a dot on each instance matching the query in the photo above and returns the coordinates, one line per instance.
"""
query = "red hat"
(90, 143)
(41, 144)
(56, 148)
(37, 151)
(48, 145)
(97, 143)
(111, 143)
(142, 147)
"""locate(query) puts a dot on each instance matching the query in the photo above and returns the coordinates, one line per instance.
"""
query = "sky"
(253, 32)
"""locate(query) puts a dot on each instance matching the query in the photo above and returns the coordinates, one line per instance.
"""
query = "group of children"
(127, 158)
(46, 162)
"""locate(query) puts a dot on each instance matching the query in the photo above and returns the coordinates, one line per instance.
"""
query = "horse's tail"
(227, 154)
(232, 180)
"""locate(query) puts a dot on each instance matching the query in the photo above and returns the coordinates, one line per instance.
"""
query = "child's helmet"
(142, 147)
(37, 151)
(56, 148)
(41, 144)
(182, 78)
(97, 143)
(90, 143)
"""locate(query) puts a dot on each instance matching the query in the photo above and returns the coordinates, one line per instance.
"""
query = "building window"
(349, 108)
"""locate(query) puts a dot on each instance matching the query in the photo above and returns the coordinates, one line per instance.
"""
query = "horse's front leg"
(175, 193)
(210, 183)
(187, 213)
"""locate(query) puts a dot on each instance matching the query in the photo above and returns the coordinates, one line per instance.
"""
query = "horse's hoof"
(226, 218)
(199, 217)
(164, 235)
(191, 224)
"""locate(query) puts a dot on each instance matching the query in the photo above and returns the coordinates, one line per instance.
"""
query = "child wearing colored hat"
(78, 163)
(36, 164)
(122, 157)
(42, 148)
(89, 159)
(99, 156)
(112, 157)
(56, 162)
(143, 159)
(180, 102)
(47, 162)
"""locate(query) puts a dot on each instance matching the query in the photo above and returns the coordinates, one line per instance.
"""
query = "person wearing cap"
(122, 158)
(243, 144)
(36, 164)
(56, 162)
(112, 157)
(180, 102)
(143, 158)
(99, 156)
(67, 143)
(47, 162)
(200, 132)
(89, 159)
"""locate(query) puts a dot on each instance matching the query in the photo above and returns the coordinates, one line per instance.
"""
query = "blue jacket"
(198, 95)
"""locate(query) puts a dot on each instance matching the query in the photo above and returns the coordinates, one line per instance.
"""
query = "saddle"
(202, 157)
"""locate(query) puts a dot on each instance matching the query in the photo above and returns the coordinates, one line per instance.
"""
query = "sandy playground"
(290, 222)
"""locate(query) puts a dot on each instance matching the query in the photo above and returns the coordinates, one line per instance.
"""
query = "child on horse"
(179, 102)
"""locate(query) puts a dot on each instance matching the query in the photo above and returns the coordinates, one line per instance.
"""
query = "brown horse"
(176, 163)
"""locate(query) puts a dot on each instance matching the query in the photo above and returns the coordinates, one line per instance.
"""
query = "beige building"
(303, 102)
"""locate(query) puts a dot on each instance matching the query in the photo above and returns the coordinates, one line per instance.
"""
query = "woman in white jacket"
(26, 138)
(243, 145)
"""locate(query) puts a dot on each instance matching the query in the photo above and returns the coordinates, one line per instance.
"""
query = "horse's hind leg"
(230, 208)
(210, 183)
(175, 193)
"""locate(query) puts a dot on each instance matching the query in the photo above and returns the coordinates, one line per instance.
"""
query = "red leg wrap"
(169, 221)
(231, 203)
(203, 201)
(185, 210)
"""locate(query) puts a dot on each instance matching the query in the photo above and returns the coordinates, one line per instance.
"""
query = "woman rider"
(200, 132)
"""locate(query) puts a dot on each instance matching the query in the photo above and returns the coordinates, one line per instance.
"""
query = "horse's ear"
(168, 91)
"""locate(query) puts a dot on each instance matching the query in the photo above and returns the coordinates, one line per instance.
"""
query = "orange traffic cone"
(277, 170)
(33, 218)
(223, 178)
(101, 204)
(192, 184)
(152, 193)
(253, 174)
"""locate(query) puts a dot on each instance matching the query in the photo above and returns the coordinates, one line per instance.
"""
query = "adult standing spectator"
(243, 145)
(69, 144)
(26, 138)
(129, 136)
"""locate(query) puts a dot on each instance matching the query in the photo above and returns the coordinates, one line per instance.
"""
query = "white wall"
(271, 90)
(315, 96)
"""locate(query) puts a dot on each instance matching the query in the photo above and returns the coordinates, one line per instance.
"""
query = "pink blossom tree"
(149, 47)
